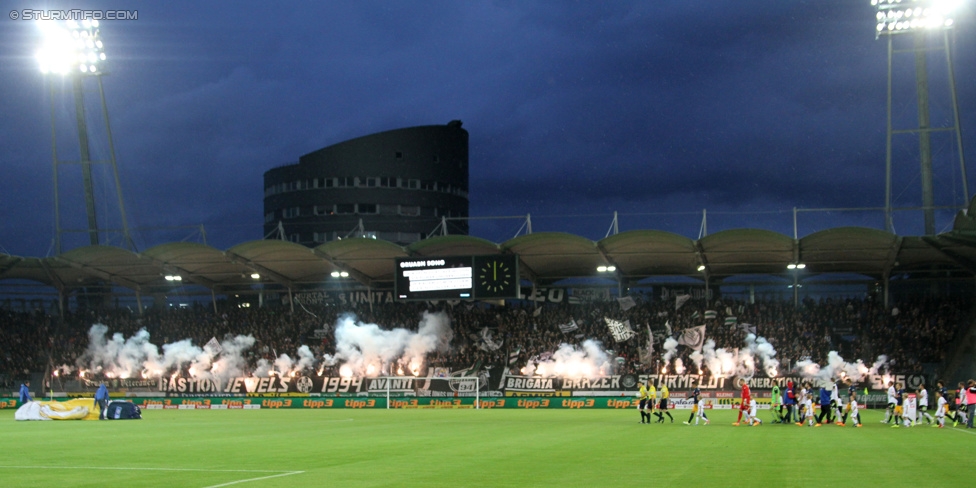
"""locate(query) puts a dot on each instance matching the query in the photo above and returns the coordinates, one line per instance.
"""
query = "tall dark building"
(398, 184)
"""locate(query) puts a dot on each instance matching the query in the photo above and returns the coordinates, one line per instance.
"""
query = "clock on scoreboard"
(457, 277)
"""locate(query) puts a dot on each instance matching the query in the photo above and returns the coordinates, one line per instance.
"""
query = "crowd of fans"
(910, 333)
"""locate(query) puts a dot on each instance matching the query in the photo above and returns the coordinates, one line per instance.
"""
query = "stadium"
(361, 346)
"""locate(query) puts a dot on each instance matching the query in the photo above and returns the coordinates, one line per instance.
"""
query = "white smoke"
(758, 348)
(838, 368)
(126, 358)
(589, 361)
(670, 350)
(720, 362)
(366, 350)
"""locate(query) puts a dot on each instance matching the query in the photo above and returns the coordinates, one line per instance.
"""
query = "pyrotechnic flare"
(590, 361)
(365, 349)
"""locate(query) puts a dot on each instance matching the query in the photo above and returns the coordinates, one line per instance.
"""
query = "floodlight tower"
(74, 50)
(920, 18)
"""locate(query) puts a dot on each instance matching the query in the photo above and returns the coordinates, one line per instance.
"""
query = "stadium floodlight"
(255, 276)
(75, 51)
(701, 267)
(71, 47)
(904, 16)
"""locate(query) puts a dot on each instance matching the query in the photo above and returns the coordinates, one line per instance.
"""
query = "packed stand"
(910, 333)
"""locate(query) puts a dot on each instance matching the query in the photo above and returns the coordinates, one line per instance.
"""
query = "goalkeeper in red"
(744, 405)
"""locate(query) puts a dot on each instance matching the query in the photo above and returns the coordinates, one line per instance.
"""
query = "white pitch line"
(256, 479)
(966, 431)
(109, 468)
(277, 474)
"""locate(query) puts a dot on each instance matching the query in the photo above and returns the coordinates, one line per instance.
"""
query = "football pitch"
(491, 448)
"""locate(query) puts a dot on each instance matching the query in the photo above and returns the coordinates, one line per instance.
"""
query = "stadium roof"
(545, 258)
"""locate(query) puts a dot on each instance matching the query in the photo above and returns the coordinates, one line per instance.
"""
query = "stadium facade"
(396, 186)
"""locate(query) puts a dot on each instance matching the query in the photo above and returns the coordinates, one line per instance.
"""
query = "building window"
(346, 182)
(428, 185)
(345, 208)
(398, 155)
(410, 210)
(387, 182)
(295, 237)
(367, 208)
(292, 212)
(322, 210)
(387, 209)
(413, 184)
(269, 217)
(320, 236)
(372, 182)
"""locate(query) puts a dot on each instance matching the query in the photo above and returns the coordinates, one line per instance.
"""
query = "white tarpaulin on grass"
(49, 411)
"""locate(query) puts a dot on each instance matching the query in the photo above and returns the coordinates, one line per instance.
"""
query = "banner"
(621, 331)
(680, 300)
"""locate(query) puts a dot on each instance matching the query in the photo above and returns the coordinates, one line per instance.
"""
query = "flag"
(695, 315)
(214, 346)
(728, 310)
(488, 343)
(710, 314)
(537, 312)
(667, 325)
(680, 300)
(731, 321)
(569, 327)
(513, 355)
(621, 331)
(748, 328)
(650, 345)
(693, 337)
(662, 314)
(626, 303)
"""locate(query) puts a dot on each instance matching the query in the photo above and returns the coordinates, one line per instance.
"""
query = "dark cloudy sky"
(653, 109)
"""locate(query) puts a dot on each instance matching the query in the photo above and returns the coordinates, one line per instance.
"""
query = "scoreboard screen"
(457, 277)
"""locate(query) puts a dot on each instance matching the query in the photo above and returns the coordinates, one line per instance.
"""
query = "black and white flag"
(620, 331)
(626, 303)
(693, 337)
(568, 327)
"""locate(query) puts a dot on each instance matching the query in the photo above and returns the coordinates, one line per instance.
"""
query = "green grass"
(491, 448)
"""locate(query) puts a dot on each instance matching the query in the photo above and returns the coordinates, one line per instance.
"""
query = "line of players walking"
(790, 405)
